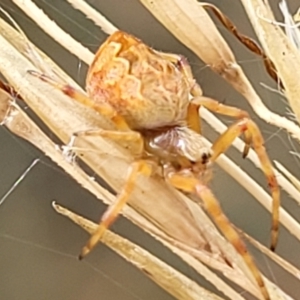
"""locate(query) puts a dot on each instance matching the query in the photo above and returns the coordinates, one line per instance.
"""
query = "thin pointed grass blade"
(165, 276)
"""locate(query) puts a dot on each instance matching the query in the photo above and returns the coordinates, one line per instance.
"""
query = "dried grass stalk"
(194, 235)
(283, 53)
(168, 278)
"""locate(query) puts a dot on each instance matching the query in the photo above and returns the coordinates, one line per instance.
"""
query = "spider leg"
(102, 108)
(193, 185)
(224, 142)
(184, 67)
(133, 137)
(220, 108)
(226, 110)
(193, 119)
(137, 168)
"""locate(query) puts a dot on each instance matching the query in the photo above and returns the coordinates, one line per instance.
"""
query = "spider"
(146, 94)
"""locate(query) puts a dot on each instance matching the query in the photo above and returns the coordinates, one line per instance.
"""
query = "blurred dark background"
(38, 248)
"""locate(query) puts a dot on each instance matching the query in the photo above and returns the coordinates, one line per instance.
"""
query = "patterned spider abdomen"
(139, 83)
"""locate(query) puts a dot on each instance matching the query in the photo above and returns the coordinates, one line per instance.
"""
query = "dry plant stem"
(105, 25)
(45, 102)
(54, 30)
(277, 46)
(205, 41)
(5, 100)
(168, 278)
(279, 260)
(19, 41)
(295, 181)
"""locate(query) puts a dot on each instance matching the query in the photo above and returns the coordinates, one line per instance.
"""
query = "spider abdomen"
(146, 89)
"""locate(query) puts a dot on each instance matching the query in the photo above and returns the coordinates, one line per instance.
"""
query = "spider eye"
(205, 157)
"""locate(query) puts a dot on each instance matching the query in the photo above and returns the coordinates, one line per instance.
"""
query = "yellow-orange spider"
(146, 94)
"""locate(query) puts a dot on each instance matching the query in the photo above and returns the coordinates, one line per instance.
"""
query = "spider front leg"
(224, 142)
(223, 109)
(193, 119)
(140, 167)
(188, 183)
(118, 136)
(102, 108)
(198, 100)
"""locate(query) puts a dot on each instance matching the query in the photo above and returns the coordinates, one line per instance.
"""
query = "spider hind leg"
(191, 184)
(224, 142)
(140, 167)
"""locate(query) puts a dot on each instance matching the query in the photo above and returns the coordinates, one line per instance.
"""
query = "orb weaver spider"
(146, 94)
